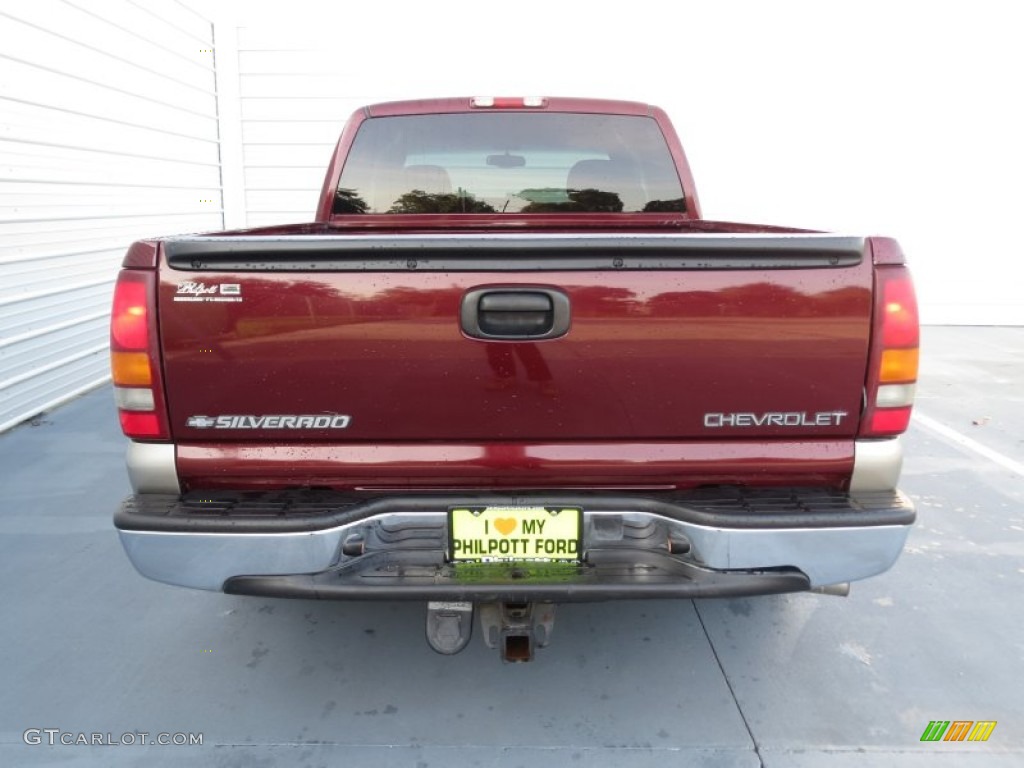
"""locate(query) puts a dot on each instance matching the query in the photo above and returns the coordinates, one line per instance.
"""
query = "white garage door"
(108, 133)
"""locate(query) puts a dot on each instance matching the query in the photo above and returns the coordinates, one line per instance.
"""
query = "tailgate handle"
(515, 313)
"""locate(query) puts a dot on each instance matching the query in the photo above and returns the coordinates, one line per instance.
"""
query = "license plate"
(514, 534)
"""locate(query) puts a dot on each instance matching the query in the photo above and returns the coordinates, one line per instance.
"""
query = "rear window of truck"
(509, 163)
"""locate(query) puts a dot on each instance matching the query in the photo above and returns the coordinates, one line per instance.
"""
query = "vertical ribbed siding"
(296, 90)
(108, 133)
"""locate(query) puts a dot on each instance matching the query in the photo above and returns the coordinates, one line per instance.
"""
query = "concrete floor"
(87, 645)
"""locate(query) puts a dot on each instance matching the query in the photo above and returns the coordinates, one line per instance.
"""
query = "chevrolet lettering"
(564, 383)
(792, 419)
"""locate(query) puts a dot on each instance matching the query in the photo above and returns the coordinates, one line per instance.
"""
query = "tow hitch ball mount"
(515, 629)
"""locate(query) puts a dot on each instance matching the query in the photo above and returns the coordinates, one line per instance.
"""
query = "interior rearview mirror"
(506, 160)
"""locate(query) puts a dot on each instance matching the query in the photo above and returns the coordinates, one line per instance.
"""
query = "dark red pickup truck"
(510, 365)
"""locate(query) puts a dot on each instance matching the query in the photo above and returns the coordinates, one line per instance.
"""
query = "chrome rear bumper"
(221, 543)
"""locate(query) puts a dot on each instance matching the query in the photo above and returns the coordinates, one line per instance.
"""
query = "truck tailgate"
(361, 339)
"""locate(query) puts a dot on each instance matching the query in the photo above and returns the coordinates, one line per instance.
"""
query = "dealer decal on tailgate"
(510, 534)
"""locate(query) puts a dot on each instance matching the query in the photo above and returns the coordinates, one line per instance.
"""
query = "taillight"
(892, 375)
(133, 364)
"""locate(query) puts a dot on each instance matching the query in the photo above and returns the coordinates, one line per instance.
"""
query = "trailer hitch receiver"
(517, 629)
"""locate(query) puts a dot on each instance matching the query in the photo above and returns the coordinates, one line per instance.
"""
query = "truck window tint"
(513, 162)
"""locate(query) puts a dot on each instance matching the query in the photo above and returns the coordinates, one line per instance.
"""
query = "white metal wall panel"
(108, 133)
(295, 93)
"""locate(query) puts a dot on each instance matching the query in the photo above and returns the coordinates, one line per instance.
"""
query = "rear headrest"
(432, 179)
(594, 174)
(613, 177)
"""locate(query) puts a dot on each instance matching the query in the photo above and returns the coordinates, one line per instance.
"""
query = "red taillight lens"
(141, 425)
(137, 389)
(129, 328)
(890, 421)
(900, 328)
(893, 360)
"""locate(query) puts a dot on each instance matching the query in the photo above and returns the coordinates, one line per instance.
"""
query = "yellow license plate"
(514, 534)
